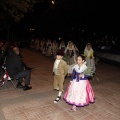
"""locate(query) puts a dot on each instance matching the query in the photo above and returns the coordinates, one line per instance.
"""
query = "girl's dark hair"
(82, 56)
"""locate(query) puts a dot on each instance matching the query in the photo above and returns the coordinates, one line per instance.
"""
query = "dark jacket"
(13, 64)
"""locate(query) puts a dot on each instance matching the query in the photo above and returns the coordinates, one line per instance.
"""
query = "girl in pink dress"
(79, 92)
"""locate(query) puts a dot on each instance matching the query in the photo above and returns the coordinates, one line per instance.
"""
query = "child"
(79, 92)
(60, 71)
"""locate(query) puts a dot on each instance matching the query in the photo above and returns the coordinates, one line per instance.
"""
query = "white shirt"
(56, 64)
(55, 68)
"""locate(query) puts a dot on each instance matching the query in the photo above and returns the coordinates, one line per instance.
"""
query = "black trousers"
(26, 74)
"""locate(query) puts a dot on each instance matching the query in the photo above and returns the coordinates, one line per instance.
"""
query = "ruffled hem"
(79, 105)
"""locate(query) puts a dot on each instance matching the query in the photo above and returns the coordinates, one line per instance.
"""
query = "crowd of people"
(71, 51)
(68, 62)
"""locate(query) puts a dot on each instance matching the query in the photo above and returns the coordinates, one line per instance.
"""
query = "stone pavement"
(37, 104)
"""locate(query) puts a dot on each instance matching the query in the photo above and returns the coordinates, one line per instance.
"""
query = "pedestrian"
(60, 69)
(89, 56)
(70, 55)
(79, 92)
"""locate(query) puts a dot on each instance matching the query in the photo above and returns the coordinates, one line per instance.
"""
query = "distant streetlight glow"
(53, 2)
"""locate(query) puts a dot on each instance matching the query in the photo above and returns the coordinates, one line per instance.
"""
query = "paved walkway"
(37, 104)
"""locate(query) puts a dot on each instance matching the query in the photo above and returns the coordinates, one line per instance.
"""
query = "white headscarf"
(88, 51)
(72, 45)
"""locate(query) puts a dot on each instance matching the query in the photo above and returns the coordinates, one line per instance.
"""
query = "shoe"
(27, 88)
(73, 109)
(57, 99)
(19, 85)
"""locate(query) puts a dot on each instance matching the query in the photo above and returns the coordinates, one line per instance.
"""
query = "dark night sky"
(92, 16)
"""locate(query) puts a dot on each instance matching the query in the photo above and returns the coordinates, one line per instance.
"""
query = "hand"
(81, 75)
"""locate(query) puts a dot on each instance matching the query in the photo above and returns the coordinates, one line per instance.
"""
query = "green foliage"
(89, 71)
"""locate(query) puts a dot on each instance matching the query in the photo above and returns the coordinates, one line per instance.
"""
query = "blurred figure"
(70, 55)
(62, 45)
(54, 49)
(89, 55)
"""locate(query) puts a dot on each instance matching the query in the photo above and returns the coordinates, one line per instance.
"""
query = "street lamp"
(53, 2)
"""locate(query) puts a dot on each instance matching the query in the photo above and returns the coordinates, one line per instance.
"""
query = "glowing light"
(53, 2)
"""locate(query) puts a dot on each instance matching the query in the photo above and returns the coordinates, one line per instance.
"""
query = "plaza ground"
(37, 104)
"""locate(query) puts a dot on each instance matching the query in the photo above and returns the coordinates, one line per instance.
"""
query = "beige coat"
(61, 73)
(62, 68)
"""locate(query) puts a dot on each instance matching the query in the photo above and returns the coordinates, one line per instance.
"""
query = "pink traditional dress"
(79, 91)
